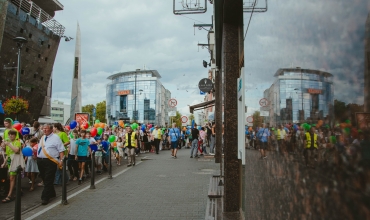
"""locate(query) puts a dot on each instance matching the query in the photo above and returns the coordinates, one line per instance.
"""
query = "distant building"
(137, 96)
(300, 95)
(367, 66)
(60, 112)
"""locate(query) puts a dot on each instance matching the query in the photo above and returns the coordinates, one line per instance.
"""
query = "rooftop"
(281, 71)
(153, 72)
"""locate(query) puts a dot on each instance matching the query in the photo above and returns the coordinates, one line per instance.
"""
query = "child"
(31, 167)
(91, 141)
(72, 163)
(98, 157)
(120, 147)
(82, 150)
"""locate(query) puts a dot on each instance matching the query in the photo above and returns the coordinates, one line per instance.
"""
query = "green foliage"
(191, 118)
(257, 119)
(101, 108)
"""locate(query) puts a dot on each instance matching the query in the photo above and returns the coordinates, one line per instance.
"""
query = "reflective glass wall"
(135, 96)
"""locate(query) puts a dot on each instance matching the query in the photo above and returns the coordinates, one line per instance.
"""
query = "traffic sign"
(172, 103)
(264, 102)
(184, 119)
(250, 119)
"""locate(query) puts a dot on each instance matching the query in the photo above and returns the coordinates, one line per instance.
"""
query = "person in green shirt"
(12, 146)
(8, 124)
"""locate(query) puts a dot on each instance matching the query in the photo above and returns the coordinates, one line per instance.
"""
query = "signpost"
(264, 113)
(263, 102)
(184, 120)
(172, 103)
(205, 85)
(250, 119)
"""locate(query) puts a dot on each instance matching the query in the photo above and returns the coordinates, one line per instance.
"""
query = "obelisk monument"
(76, 105)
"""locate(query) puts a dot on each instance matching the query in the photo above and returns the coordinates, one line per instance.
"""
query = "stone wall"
(282, 187)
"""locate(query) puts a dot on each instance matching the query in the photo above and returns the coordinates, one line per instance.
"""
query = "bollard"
(110, 165)
(17, 212)
(92, 186)
(64, 184)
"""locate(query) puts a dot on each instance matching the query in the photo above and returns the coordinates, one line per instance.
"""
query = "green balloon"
(100, 130)
(97, 121)
(112, 138)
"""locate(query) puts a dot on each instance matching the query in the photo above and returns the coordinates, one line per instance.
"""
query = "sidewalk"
(158, 188)
(32, 200)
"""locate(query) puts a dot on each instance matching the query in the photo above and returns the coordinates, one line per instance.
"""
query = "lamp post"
(20, 41)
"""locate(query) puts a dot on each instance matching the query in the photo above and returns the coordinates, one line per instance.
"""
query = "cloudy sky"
(124, 35)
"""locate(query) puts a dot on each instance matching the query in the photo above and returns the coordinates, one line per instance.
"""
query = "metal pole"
(302, 97)
(18, 71)
(110, 165)
(17, 212)
(135, 98)
(64, 183)
(92, 186)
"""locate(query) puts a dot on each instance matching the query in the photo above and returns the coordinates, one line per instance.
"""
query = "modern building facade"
(32, 20)
(137, 96)
(300, 95)
(60, 112)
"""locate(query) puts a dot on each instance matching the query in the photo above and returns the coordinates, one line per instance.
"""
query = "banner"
(82, 117)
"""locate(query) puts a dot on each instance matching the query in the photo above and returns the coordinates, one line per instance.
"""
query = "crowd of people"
(40, 149)
(316, 143)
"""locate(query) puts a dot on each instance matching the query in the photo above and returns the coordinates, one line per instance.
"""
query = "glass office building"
(137, 96)
(300, 95)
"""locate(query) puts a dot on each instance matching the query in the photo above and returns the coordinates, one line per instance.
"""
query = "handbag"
(16, 160)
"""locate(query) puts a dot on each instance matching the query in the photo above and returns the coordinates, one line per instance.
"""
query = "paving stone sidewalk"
(159, 188)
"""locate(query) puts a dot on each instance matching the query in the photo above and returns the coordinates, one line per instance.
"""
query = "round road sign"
(184, 119)
(264, 102)
(250, 119)
(172, 103)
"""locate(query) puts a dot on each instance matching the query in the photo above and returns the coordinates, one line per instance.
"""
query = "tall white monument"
(76, 105)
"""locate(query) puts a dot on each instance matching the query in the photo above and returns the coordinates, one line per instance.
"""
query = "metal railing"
(40, 15)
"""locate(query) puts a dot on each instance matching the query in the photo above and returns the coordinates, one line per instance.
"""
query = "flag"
(1, 108)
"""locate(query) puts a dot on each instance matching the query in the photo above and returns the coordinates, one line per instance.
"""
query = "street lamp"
(20, 41)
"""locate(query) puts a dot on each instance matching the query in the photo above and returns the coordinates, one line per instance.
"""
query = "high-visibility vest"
(278, 134)
(308, 140)
(133, 140)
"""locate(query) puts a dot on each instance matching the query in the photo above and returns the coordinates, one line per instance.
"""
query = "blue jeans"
(194, 146)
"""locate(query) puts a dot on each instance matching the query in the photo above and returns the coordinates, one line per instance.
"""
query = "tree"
(88, 109)
(257, 119)
(101, 108)
(339, 111)
(191, 117)
(177, 119)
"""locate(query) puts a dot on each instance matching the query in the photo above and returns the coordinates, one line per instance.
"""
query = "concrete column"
(232, 50)
(3, 12)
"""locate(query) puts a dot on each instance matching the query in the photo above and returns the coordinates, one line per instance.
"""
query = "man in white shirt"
(157, 135)
(50, 153)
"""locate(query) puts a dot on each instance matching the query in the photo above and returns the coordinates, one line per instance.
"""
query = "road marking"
(75, 194)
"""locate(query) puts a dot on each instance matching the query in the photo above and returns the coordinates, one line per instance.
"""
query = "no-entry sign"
(184, 119)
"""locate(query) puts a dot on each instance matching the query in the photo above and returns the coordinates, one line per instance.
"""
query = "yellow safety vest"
(133, 140)
(308, 140)
(159, 134)
(278, 134)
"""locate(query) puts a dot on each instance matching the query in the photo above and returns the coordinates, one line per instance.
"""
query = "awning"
(202, 105)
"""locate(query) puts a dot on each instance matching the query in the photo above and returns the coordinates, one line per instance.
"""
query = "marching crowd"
(316, 143)
(40, 149)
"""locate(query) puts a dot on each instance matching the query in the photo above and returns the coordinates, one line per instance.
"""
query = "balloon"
(25, 131)
(67, 127)
(93, 132)
(71, 135)
(111, 139)
(150, 126)
(114, 143)
(27, 151)
(143, 126)
(120, 122)
(151, 129)
(102, 125)
(17, 126)
(250, 129)
(100, 130)
(15, 122)
(85, 125)
(97, 121)
(73, 124)
(96, 125)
